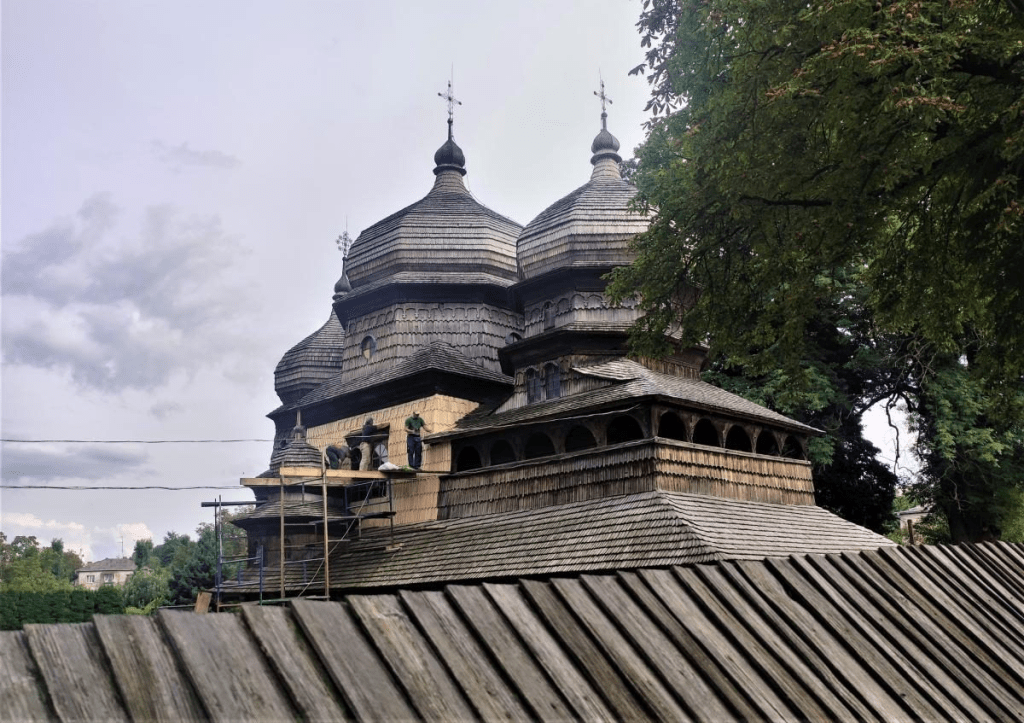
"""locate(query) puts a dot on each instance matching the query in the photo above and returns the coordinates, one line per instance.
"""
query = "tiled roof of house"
(109, 564)
(925, 633)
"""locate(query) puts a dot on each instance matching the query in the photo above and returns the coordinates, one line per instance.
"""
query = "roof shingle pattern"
(310, 362)
(446, 234)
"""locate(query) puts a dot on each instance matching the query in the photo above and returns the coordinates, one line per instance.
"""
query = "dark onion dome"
(312, 361)
(450, 157)
(591, 227)
(445, 237)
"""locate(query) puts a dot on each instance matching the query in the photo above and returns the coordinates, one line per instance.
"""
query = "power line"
(132, 441)
(84, 488)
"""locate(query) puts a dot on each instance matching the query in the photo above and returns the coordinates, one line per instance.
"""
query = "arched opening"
(533, 386)
(792, 448)
(671, 426)
(766, 443)
(502, 453)
(549, 315)
(539, 445)
(579, 438)
(552, 381)
(705, 433)
(624, 429)
(468, 458)
(368, 347)
(513, 337)
(738, 439)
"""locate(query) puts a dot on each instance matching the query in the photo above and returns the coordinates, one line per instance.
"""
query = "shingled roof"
(109, 564)
(629, 381)
(312, 361)
(649, 529)
(438, 356)
(924, 633)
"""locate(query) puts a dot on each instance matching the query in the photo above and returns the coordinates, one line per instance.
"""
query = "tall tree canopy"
(813, 162)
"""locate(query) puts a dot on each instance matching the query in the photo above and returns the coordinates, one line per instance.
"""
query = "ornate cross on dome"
(604, 99)
(452, 102)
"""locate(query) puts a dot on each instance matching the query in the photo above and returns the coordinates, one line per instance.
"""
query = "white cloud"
(125, 311)
(179, 156)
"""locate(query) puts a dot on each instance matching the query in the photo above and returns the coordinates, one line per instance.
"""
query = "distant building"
(109, 571)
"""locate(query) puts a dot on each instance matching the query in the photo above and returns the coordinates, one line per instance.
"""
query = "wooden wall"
(631, 467)
(416, 499)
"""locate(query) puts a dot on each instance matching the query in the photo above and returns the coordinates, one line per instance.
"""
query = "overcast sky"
(175, 175)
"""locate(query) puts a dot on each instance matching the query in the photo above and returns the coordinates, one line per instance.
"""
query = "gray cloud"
(179, 156)
(122, 310)
(24, 462)
(162, 410)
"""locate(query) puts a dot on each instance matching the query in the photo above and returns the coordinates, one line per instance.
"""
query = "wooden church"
(546, 447)
(589, 536)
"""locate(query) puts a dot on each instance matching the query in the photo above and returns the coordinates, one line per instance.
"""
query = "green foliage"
(143, 552)
(147, 588)
(846, 161)
(65, 606)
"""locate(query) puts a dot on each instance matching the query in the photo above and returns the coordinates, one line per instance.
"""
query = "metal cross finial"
(604, 99)
(452, 102)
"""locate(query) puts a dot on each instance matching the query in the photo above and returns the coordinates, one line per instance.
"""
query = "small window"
(549, 315)
(533, 386)
(90, 578)
(552, 381)
(513, 337)
(108, 577)
(368, 347)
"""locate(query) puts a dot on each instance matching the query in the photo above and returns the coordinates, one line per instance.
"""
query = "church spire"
(449, 157)
(605, 159)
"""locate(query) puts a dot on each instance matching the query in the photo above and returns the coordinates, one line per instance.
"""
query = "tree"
(143, 551)
(147, 589)
(806, 149)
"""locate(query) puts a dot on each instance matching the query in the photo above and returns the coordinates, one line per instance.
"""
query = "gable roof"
(932, 633)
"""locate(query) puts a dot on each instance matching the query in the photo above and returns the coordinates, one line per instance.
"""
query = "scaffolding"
(357, 496)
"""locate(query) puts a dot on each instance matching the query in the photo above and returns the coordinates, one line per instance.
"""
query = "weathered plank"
(679, 672)
(901, 651)
(71, 661)
(549, 653)
(145, 669)
(21, 696)
(863, 642)
(654, 589)
(791, 650)
(515, 660)
(295, 663)
(620, 651)
(916, 635)
(829, 650)
(227, 669)
(473, 671)
(408, 654)
(609, 684)
(356, 668)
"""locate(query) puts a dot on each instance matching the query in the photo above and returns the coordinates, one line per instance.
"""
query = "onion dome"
(592, 226)
(312, 361)
(446, 237)
(449, 157)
